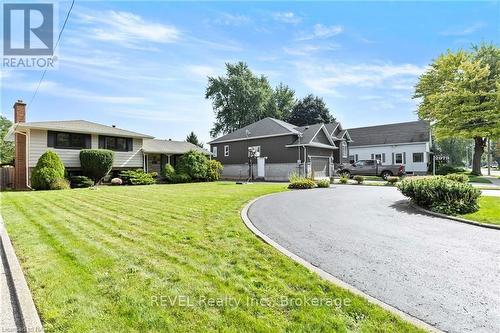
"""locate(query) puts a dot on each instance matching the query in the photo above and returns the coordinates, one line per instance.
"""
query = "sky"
(143, 66)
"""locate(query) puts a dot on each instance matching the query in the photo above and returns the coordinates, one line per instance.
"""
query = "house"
(132, 150)
(407, 143)
(274, 149)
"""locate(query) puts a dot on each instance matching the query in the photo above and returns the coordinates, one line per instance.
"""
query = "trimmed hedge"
(391, 180)
(302, 183)
(447, 169)
(137, 177)
(323, 183)
(81, 182)
(358, 178)
(458, 177)
(48, 171)
(96, 163)
(441, 195)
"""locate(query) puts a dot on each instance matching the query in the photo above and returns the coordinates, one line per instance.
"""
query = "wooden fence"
(6, 178)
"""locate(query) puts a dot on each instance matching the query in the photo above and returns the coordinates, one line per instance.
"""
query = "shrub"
(302, 183)
(214, 170)
(96, 163)
(116, 181)
(81, 182)
(137, 177)
(194, 164)
(168, 172)
(181, 178)
(391, 180)
(343, 179)
(48, 170)
(441, 195)
(323, 183)
(153, 174)
(60, 184)
(447, 168)
(360, 179)
(458, 177)
(294, 176)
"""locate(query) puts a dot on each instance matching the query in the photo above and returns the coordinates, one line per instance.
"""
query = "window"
(418, 157)
(351, 159)
(369, 163)
(255, 150)
(399, 158)
(344, 149)
(378, 157)
(115, 143)
(214, 151)
(66, 140)
(226, 150)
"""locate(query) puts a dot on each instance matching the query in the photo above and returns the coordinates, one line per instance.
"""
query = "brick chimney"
(20, 172)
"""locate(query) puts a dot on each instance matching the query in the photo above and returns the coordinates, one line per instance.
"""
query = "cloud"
(330, 77)
(231, 19)
(202, 71)
(287, 17)
(463, 31)
(308, 49)
(127, 29)
(321, 32)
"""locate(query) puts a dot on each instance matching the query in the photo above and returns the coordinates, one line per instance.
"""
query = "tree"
(194, 164)
(239, 98)
(48, 171)
(6, 147)
(310, 110)
(459, 94)
(456, 148)
(193, 138)
(281, 102)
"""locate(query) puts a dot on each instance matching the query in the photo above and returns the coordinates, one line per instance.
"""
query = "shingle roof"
(170, 147)
(330, 127)
(308, 133)
(414, 131)
(264, 127)
(80, 126)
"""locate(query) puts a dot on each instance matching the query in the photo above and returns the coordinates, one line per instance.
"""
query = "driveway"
(443, 272)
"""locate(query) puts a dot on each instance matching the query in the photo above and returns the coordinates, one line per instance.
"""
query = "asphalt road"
(443, 272)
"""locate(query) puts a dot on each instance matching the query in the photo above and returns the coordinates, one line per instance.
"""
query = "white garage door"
(319, 167)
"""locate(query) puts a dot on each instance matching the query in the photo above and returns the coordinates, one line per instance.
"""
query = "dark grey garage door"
(319, 167)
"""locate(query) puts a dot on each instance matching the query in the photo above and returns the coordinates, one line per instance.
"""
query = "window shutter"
(88, 141)
(356, 157)
(51, 139)
(101, 142)
(130, 144)
(404, 158)
(383, 157)
(373, 157)
(392, 158)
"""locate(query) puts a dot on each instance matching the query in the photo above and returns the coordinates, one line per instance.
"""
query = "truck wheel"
(344, 173)
(386, 174)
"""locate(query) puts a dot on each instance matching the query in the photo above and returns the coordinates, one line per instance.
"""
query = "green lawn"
(115, 259)
(489, 211)
(478, 179)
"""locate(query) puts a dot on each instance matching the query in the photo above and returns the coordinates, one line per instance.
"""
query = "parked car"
(371, 168)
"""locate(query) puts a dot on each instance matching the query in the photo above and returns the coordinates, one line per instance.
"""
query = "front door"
(261, 167)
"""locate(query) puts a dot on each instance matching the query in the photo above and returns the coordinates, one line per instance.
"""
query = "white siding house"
(403, 143)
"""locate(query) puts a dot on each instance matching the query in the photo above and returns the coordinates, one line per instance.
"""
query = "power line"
(57, 43)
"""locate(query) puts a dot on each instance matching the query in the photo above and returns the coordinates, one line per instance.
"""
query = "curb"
(454, 218)
(327, 276)
(28, 314)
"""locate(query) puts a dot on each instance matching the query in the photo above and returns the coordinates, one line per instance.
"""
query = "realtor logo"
(28, 36)
(28, 29)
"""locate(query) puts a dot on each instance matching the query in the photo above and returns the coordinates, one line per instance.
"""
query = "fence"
(6, 178)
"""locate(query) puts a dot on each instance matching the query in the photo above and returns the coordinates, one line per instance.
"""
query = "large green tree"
(310, 110)
(281, 102)
(459, 93)
(455, 148)
(193, 138)
(6, 147)
(239, 98)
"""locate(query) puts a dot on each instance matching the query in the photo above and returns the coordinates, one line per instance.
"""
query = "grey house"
(281, 148)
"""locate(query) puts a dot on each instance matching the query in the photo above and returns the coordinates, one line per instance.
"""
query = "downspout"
(27, 155)
(305, 161)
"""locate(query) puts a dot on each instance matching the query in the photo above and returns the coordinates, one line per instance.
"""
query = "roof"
(330, 127)
(170, 147)
(408, 132)
(262, 128)
(78, 126)
(309, 133)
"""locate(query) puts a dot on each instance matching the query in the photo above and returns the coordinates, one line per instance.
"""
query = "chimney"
(19, 111)
(20, 157)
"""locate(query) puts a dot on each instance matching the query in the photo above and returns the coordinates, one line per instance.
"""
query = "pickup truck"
(371, 168)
